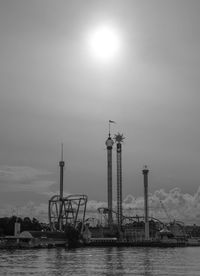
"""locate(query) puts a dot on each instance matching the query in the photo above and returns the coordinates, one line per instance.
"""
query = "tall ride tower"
(145, 172)
(61, 165)
(119, 139)
(109, 145)
(66, 211)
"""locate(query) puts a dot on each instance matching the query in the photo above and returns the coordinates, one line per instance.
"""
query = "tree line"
(7, 225)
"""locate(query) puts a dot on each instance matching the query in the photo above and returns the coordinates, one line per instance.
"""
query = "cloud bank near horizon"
(37, 184)
(175, 205)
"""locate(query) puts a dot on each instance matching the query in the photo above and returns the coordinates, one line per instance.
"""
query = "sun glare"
(104, 43)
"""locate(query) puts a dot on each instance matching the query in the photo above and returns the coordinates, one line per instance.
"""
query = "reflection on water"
(148, 265)
(107, 261)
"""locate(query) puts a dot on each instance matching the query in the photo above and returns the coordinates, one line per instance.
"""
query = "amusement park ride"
(115, 222)
(70, 227)
(66, 211)
(70, 211)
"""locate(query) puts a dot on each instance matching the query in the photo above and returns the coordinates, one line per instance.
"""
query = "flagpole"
(109, 122)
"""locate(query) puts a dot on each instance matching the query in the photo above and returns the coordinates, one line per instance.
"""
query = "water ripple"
(108, 261)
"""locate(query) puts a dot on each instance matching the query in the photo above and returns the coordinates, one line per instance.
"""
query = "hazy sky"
(53, 90)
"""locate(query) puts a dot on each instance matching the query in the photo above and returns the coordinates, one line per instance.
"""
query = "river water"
(102, 261)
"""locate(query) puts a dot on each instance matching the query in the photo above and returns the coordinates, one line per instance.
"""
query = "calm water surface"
(102, 261)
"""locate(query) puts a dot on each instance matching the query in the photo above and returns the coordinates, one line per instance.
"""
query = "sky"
(53, 91)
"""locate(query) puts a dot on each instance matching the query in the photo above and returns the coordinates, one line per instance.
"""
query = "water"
(108, 261)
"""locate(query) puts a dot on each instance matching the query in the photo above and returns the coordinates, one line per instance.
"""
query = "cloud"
(93, 205)
(162, 205)
(31, 209)
(50, 194)
(20, 173)
(22, 178)
(167, 205)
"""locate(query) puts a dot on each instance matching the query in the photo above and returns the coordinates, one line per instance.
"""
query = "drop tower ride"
(145, 172)
(109, 145)
(61, 165)
(119, 139)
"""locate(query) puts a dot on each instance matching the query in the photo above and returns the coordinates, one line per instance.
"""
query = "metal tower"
(109, 145)
(65, 211)
(61, 165)
(119, 139)
(145, 172)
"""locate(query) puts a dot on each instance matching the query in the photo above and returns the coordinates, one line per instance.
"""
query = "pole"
(109, 144)
(61, 164)
(119, 184)
(119, 139)
(146, 208)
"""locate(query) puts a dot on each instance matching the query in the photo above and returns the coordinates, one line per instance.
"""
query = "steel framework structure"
(68, 210)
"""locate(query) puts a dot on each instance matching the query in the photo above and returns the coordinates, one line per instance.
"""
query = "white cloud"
(168, 205)
(177, 205)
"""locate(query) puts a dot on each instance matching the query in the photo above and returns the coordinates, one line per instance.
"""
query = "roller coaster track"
(104, 211)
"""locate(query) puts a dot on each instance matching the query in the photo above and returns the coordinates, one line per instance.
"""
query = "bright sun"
(104, 43)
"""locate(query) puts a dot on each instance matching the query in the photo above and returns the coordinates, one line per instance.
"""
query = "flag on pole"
(110, 121)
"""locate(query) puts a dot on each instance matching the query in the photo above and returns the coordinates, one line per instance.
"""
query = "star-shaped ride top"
(119, 138)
